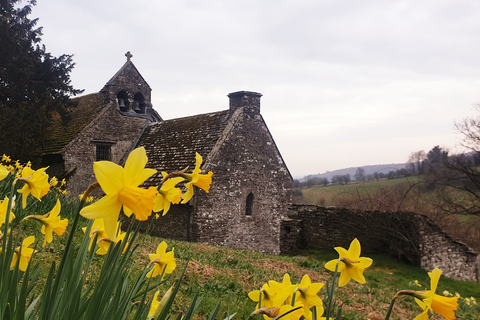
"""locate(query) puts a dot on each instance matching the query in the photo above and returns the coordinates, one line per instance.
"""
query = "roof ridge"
(190, 117)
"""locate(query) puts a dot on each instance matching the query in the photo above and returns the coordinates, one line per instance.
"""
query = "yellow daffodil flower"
(162, 260)
(473, 300)
(53, 182)
(203, 181)
(350, 264)
(3, 212)
(121, 188)
(6, 158)
(36, 184)
(18, 165)
(103, 241)
(284, 290)
(307, 293)
(157, 306)
(168, 194)
(25, 254)
(268, 295)
(430, 301)
(51, 223)
(4, 172)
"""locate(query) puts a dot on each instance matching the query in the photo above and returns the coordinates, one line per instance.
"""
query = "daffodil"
(284, 290)
(4, 172)
(121, 188)
(51, 223)
(53, 182)
(307, 293)
(25, 254)
(163, 262)
(168, 194)
(36, 184)
(6, 158)
(350, 264)
(429, 301)
(3, 212)
(267, 295)
(103, 241)
(157, 306)
(203, 181)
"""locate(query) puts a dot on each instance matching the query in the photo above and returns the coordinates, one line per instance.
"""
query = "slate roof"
(59, 133)
(128, 64)
(171, 144)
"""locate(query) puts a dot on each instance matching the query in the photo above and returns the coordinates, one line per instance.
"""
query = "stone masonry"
(407, 236)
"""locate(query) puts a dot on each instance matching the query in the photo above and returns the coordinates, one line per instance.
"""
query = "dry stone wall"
(408, 236)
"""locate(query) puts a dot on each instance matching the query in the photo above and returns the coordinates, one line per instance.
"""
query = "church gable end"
(251, 184)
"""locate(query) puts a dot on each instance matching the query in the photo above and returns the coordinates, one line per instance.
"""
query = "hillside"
(371, 169)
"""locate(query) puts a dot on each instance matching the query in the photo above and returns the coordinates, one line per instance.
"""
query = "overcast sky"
(344, 83)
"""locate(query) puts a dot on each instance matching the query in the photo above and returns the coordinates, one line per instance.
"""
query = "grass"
(329, 195)
(227, 275)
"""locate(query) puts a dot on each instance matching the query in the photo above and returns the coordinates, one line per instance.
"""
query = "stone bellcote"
(129, 90)
(250, 101)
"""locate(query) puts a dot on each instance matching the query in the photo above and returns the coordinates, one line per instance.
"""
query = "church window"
(103, 152)
(249, 204)
(103, 149)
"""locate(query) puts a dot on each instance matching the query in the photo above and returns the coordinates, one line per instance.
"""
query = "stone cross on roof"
(128, 55)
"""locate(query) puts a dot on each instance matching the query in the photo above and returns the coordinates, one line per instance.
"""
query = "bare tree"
(417, 161)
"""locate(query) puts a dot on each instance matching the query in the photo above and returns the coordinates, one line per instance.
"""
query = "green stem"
(332, 291)
(58, 277)
(7, 218)
(390, 309)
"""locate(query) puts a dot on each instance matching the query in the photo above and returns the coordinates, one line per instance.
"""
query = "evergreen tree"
(33, 83)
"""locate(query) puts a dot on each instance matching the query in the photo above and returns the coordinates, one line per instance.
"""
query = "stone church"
(251, 185)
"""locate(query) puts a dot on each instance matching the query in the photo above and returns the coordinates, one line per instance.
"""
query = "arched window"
(122, 99)
(249, 204)
(139, 103)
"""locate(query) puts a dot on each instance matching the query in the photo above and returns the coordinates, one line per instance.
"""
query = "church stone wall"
(408, 236)
(110, 126)
(247, 162)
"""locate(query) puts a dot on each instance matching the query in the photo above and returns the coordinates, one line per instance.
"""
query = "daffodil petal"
(162, 247)
(354, 249)
(104, 207)
(364, 263)
(344, 278)
(357, 275)
(109, 175)
(135, 164)
(342, 252)
(434, 278)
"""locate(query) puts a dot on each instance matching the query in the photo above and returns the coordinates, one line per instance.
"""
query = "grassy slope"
(222, 274)
(226, 274)
(328, 194)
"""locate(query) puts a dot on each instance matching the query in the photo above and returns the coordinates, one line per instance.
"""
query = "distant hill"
(383, 168)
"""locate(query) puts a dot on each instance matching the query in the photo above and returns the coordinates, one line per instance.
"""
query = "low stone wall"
(408, 236)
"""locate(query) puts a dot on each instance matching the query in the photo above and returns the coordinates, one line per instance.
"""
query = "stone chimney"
(250, 101)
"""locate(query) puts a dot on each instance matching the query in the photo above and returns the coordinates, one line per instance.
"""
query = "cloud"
(344, 83)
